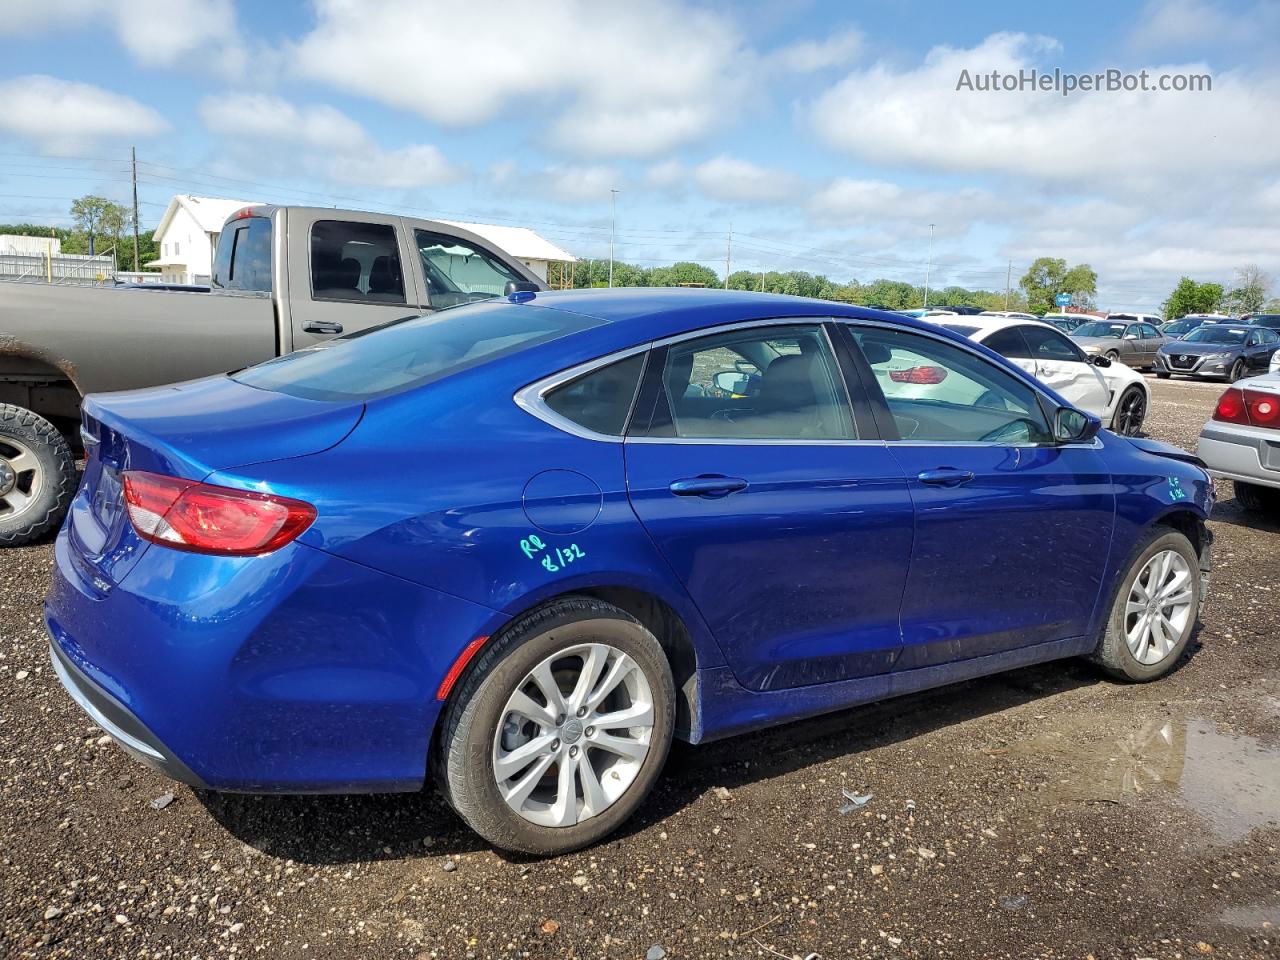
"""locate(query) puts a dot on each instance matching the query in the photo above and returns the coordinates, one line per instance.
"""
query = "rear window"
(411, 352)
(243, 258)
(961, 328)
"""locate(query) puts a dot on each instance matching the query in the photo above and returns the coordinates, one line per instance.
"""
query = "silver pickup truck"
(283, 278)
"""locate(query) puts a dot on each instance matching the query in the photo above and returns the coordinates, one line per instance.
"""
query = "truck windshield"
(411, 351)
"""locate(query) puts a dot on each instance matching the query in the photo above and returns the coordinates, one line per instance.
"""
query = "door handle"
(322, 326)
(945, 477)
(707, 486)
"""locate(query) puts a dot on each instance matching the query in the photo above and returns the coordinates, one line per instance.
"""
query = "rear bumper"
(114, 717)
(1241, 453)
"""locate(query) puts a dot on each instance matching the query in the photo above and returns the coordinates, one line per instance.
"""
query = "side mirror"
(730, 381)
(1100, 360)
(520, 286)
(1074, 426)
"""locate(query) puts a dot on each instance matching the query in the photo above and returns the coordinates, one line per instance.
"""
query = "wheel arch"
(46, 388)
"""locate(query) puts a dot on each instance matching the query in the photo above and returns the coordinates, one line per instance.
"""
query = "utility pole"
(613, 229)
(1008, 284)
(728, 255)
(134, 152)
(928, 269)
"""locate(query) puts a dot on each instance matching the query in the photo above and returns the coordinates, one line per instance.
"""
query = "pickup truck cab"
(283, 278)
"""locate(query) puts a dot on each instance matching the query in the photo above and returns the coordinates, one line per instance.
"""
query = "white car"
(1114, 392)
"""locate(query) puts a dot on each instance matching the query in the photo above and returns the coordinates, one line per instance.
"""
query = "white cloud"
(809, 56)
(156, 33)
(739, 181)
(625, 79)
(329, 142)
(579, 184)
(668, 173)
(1166, 24)
(849, 201)
(60, 116)
(1139, 140)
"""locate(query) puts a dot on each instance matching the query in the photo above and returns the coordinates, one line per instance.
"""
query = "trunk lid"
(185, 430)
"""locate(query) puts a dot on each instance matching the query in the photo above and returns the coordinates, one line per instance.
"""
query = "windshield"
(1179, 327)
(1100, 328)
(1216, 333)
(411, 352)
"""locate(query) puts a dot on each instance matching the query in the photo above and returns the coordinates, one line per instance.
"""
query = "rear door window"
(355, 262)
(243, 258)
(1008, 343)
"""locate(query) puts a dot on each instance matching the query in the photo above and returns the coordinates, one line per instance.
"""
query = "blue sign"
(1062, 300)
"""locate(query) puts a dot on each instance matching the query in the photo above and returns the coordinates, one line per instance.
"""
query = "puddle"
(1231, 781)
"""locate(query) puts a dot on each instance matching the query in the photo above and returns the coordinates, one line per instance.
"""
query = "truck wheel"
(37, 476)
(559, 730)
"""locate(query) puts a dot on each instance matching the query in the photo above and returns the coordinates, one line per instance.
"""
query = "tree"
(1191, 297)
(98, 215)
(1049, 277)
(1250, 290)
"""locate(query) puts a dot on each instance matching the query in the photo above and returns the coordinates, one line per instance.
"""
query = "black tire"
(1113, 356)
(1236, 371)
(1162, 375)
(1131, 412)
(1255, 498)
(1113, 653)
(53, 478)
(464, 756)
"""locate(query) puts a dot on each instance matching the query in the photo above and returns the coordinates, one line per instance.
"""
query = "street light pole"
(613, 229)
(928, 268)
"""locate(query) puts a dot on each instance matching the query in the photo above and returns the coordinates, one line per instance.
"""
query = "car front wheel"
(559, 731)
(1236, 371)
(1154, 610)
(1131, 411)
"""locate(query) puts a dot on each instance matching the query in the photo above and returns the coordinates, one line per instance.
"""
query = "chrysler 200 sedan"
(517, 547)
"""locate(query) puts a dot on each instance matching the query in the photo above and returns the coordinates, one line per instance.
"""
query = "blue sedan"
(519, 546)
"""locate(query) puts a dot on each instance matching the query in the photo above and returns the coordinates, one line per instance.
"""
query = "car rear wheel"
(37, 476)
(1255, 498)
(1130, 413)
(1154, 610)
(559, 731)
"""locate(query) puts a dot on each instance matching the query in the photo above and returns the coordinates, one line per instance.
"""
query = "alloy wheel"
(1159, 607)
(20, 477)
(1132, 413)
(573, 735)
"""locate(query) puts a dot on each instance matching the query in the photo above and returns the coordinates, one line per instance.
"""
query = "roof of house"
(520, 242)
(209, 212)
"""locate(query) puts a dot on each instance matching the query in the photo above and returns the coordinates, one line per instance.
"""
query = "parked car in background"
(1180, 328)
(1011, 314)
(1208, 317)
(1133, 343)
(1271, 320)
(1066, 322)
(1220, 350)
(1151, 318)
(1115, 393)
(1242, 441)
(313, 575)
(963, 311)
(283, 278)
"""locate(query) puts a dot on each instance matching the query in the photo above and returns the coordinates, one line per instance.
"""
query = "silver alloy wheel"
(574, 735)
(1159, 607)
(20, 477)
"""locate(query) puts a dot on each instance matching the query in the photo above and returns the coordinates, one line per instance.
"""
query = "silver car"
(1242, 441)
(1132, 343)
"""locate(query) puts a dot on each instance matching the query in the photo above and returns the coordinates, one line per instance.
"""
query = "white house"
(188, 235)
(535, 251)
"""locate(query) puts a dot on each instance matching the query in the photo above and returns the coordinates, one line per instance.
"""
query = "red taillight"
(1231, 407)
(206, 519)
(1249, 407)
(923, 375)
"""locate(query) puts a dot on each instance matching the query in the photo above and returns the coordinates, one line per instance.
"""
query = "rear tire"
(1154, 610)
(37, 476)
(1255, 498)
(587, 787)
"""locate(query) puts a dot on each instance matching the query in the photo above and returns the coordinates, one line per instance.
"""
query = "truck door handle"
(707, 486)
(322, 326)
(945, 477)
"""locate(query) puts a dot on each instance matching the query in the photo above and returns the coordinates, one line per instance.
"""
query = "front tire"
(1236, 371)
(1130, 413)
(560, 729)
(1154, 610)
(37, 476)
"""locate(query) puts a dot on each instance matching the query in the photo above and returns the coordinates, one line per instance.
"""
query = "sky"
(825, 136)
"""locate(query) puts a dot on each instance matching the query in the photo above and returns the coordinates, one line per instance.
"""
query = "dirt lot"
(1041, 813)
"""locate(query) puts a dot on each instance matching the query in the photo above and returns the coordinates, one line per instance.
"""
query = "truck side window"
(458, 272)
(355, 262)
(243, 258)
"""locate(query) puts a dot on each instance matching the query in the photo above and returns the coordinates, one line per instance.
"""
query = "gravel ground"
(1040, 813)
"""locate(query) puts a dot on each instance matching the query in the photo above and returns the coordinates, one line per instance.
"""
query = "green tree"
(1249, 292)
(98, 216)
(1049, 276)
(1191, 297)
